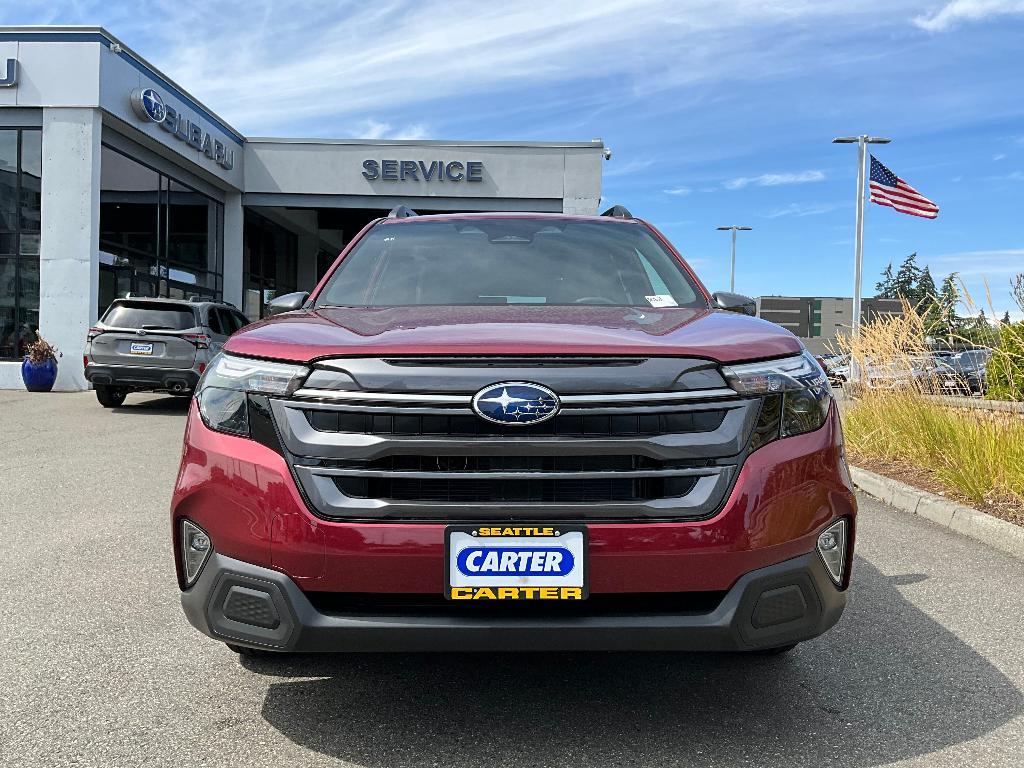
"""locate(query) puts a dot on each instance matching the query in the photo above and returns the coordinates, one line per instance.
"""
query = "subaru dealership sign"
(148, 105)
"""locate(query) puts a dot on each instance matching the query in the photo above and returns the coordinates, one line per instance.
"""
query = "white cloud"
(375, 129)
(774, 179)
(999, 156)
(680, 191)
(959, 11)
(613, 169)
(1005, 261)
(801, 209)
(317, 68)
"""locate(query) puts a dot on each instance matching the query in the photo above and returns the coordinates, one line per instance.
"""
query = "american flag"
(888, 189)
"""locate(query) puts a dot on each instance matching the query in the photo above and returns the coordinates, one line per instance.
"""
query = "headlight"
(795, 391)
(223, 392)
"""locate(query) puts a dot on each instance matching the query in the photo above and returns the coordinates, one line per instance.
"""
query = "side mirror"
(735, 302)
(289, 302)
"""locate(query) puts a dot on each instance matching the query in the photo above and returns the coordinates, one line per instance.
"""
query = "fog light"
(832, 548)
(195, 550)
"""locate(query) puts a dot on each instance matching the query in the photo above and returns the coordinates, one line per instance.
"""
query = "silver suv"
(155, 345)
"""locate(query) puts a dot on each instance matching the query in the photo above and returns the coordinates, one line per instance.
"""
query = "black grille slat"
(469, 425)
(453, 490)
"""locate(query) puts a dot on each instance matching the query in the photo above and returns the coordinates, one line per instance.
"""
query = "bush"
(1005, 371)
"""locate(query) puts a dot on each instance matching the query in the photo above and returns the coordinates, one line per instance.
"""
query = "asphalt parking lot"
(99, 667)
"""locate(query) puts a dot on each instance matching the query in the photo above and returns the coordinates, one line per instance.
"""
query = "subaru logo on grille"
(515, 403)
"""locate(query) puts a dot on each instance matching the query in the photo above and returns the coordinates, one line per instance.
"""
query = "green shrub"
(1005, 371)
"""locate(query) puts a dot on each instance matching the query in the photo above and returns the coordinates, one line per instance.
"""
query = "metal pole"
(858, 248)
(732, 272)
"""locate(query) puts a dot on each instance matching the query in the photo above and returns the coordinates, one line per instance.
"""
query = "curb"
(964, 520)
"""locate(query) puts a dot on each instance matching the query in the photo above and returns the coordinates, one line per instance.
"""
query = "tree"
(948, 324)
(1006, 318)
(926, 292)
(884, 287)
(907, 278)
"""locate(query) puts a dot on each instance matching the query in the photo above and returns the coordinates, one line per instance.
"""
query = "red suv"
(513, 432)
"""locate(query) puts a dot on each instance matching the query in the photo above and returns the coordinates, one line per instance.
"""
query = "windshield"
(150, 316)
(510, 261)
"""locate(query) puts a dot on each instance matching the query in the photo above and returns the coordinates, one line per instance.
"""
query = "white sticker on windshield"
(661, 300)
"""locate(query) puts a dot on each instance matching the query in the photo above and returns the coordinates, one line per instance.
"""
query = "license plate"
(950, 384)
(516, 562)
(140, 348)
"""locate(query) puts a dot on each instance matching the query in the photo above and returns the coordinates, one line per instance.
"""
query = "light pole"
(732, 272)
(858, 239)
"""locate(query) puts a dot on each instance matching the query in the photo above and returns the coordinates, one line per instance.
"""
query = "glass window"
(150, 316)
(511, 261)
(271, 259)
(21, 162)
(158, 237)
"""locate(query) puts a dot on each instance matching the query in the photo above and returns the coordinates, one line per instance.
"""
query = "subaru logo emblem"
(515, 403)
(148, 105)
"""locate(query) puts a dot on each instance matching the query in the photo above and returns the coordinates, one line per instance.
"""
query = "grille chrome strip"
(390, 397)
(567, 400)
(499, 475)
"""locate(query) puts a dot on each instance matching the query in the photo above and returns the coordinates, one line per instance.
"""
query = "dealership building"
(114, 180)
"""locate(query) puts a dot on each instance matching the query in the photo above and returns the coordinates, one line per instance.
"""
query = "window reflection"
(270, 254)
(158, 237)
(21, 164)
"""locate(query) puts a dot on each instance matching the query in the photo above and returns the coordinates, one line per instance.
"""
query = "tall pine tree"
(925, 288)
(884, 287)
(907, 278)
(949, 297)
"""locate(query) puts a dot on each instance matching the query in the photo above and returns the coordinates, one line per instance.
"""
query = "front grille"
(470, 425)
(502, 491)
(405, 444)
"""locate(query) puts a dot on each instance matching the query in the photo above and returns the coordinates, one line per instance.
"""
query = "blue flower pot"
(39, 377)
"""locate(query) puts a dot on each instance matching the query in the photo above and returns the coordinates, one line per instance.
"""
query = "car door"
(220, 328)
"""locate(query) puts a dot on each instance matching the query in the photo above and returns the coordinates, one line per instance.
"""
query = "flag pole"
(858, 243)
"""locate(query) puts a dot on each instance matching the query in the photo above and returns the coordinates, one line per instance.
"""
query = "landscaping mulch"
(1005, 509)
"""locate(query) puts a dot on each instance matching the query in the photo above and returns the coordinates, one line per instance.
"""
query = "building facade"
(114, 180)
(819, 321)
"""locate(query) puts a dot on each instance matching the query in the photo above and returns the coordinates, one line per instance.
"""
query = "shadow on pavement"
(154, 405)
(887, 683)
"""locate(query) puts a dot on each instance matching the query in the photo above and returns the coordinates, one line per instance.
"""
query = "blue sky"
(717, 111)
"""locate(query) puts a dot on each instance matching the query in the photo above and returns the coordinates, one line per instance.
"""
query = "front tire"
(110, 397)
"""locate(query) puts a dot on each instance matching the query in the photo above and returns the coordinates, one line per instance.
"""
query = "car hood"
(513, 330)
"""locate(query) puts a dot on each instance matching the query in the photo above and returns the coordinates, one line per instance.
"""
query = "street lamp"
(732, 272)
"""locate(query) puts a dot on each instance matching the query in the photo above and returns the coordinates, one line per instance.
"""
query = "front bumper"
(773, 606)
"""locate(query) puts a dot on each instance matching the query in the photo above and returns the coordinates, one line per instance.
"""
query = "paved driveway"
(99, 667)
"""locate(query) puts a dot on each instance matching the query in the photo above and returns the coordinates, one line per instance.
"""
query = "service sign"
(516, 562)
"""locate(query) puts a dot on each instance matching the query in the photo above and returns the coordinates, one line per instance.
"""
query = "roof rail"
(401, 212)
(618, 212)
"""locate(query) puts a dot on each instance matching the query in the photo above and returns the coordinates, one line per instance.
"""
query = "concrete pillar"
(69, 245)
(305, 273)
(233, 261)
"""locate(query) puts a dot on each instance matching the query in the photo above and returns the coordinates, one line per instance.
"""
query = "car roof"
(157, 300)
(507, 215)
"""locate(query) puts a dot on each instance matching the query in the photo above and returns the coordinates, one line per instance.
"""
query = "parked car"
(909, 372)
(513, 432)
(963, 373)
(837, 368)
(155, 345)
